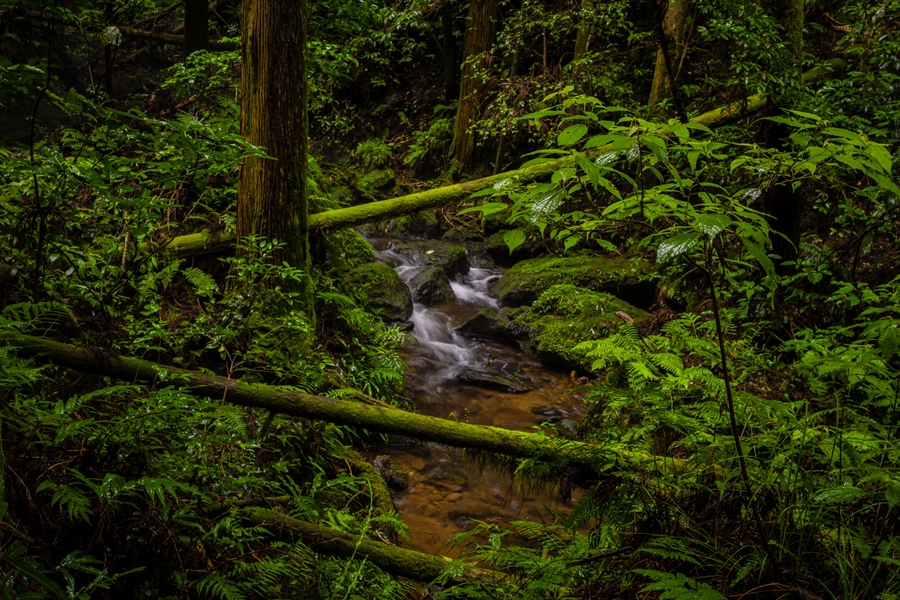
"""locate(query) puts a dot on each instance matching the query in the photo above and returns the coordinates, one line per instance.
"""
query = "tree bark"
(448, 44)
(673, 32)
(585, 29)
(391, 559)
(272, 194)
(481, 33)
(196, 26)
(781, 202)
(377, 419)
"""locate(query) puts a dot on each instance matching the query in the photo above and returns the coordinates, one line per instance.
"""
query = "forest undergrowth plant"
(734, 449)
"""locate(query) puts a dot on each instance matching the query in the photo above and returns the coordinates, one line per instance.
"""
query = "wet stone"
(431, 286)
(493, 381)
(488, 323)
(393, 476)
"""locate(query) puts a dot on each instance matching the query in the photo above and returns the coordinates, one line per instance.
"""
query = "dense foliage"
(765, 388)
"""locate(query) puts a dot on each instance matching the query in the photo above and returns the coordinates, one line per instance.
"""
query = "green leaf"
(712, 224)
(487, 209)
(514, 238)
(572, 134)
(676, 246)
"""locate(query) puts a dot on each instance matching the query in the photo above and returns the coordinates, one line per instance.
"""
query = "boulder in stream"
(345, 250)
(494, 381)
(450, 256)
(383, 289)
(431, 286)
(487, 324)
(628, 278)
(565, 316)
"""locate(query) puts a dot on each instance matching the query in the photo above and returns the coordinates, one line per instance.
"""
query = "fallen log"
(391, 559)
(377, 419)
(353, 216)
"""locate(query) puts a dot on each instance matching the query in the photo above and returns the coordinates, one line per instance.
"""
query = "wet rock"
(492, 381)
(488, 323)
(407, 326)
(447, 480)
(450, 256)
(431, 286)
(629, 279)
(548, 411)
(393, 476)
(383, 289)
(565, 316)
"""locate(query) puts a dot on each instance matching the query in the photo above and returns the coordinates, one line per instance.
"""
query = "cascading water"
(447, 493)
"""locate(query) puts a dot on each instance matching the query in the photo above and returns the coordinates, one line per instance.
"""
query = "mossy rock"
(563, 317)
(431, 286)
(487, 324)
(345, 250)
(373, 182)
(631, 279)
(383, 290)
(423, 225)
(450, 256)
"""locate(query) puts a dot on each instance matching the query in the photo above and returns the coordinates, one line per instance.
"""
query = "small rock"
(492, 381)
(487, 323)
(431, 286)
(394, 477)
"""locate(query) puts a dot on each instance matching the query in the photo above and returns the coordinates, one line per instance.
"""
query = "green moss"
(566, 315)
(346, 250)
(630, 278)
(374, 181)
(383, 290)
(423, 224)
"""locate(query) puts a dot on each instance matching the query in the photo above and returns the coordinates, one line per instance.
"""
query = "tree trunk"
(391, 559)
(377, 419)
(448, 44)
(585, 29)
(196, 26)
(272, 194)
(782, 202)
(481, 33)
(672, 34)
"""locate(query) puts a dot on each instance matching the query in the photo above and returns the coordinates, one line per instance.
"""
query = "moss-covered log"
(413, 203)
(378, 419)
(394, 560)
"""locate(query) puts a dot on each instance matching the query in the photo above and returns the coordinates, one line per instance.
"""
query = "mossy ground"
(566, 315)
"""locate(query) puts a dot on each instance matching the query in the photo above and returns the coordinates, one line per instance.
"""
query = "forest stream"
(448, 493)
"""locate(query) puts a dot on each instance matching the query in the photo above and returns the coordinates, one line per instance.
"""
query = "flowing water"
(447, 493)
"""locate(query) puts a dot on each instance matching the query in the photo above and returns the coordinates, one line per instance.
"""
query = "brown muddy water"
(447, 492)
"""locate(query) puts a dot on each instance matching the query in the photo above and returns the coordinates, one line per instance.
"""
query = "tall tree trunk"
(585, 29)
(272, 194)
(196, 26)
(448, 44)
(481, 33)
(672, 35)
(782, 202)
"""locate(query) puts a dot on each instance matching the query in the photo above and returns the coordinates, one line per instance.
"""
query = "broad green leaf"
(676, 246)
(486, 209)
(514, 238)
(572, 134)
(712, 224)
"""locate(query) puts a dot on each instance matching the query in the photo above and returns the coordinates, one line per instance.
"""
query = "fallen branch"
(394, 560)
(377, 419)
(353, 216)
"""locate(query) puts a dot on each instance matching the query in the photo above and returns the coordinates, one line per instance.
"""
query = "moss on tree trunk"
(378, 419)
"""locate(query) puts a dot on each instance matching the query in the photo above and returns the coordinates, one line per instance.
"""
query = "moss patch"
(383, 290)
(627, 278)
(345, 250)
(563, 317)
